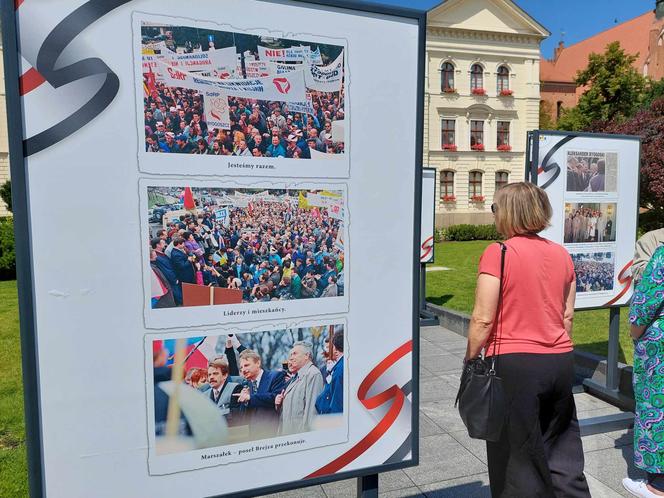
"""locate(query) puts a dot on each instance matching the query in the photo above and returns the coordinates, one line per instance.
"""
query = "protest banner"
(216, 110)
(285, 88)
(219, 63)
(301, 54)
(257, 69)
(320, 78)
(223, 215)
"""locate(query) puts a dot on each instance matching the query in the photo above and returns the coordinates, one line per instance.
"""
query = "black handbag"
(481, 398)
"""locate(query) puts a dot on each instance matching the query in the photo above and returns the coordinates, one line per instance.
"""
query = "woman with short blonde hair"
(525, 319)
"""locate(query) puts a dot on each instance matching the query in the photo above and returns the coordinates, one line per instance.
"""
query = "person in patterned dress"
(645, 315)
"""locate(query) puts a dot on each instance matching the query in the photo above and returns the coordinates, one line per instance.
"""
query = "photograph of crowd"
(214, 246)
(215, 391)
(590, 222)
(245, 117)
(594, 271)
(592, 171)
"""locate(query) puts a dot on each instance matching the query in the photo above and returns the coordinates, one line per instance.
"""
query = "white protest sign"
(326, 78)
(215, 105)
(219, 63)
(284, 54)
(338, 130)
(335, 211)
(257, 69)
(223, 216)
(320, 78)
(284, 88)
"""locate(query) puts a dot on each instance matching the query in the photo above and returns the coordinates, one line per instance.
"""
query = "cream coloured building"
(481, 97)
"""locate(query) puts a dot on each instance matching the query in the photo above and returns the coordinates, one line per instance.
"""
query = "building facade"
(642, 37)
(481, 97)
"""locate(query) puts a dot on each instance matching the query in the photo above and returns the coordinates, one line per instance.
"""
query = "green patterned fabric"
(648, 376)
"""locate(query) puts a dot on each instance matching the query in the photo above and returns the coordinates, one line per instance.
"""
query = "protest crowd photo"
(246, 245)
(241, 120)
(594, 272)
(249, 386)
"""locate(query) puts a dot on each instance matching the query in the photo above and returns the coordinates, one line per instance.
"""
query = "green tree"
(6, 194)
(614, 90)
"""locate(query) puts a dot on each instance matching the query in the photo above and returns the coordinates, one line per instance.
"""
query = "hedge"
(7, 253)
(469, 232)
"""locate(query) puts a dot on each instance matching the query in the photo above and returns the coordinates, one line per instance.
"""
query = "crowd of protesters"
(268, 250)
(267, 403)
(593, 276)
(175, 123)
(588, 225)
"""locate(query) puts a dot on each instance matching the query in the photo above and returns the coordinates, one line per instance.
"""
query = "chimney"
(659, 9)
(561, 44)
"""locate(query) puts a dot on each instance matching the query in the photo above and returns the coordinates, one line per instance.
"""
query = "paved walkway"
(454, 466)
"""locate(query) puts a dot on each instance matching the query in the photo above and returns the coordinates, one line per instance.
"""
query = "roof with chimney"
(632, 35)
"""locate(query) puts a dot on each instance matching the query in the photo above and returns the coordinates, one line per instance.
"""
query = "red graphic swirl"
(393, 393)
(625, 281)
(427, 247)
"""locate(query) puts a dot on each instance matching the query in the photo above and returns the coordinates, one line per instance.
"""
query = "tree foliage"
(6, 194)
(614, 90)
(649, 125)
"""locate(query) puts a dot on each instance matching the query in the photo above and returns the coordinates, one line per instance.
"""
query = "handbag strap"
(499, 325)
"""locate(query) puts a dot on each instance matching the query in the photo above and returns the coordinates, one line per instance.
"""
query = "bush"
(7, 253)
(6, 194)
(471, 232)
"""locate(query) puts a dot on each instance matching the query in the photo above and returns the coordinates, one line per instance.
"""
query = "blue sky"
(578, 19)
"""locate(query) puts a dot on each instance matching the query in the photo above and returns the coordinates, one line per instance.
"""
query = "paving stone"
(585, 402)
(596, 442)
(438, 389)
(609, 466)
(310, 492)
(476, 446)
(475, 486)
(599, 489)
(442, 363)
(387, 482)
(427, 427)
(624, 437)
(413, 492)
(443, 458)
(443, 414)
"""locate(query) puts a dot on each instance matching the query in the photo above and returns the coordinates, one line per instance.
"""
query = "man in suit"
(298, 400)
(164, 264)
(222, 389)
(331, 400)
(258, 395)
(184, 269)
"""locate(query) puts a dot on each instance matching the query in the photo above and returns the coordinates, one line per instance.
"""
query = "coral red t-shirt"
(537, 274)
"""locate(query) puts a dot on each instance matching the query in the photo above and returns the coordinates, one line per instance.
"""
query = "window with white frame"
(475, 185)
(448, 137)
(447, 77)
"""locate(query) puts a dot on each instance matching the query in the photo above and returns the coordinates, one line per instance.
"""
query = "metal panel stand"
(427, 319)
(367, 486)
(610, 391)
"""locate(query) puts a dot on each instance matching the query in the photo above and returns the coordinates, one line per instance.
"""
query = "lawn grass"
(13, 464)
(455, 289)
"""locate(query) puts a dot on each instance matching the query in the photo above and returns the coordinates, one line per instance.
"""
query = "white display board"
(592, 183)
(428, 215)
(117, 404)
